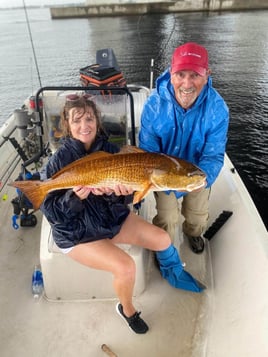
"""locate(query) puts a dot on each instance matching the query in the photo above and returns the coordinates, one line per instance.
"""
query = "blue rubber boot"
(172, 270)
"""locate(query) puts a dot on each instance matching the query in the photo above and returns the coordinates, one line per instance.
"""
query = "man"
(186, 117)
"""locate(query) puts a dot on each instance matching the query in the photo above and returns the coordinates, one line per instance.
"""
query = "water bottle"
(37, 282)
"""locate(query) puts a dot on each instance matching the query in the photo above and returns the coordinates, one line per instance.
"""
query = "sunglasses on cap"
(75, 97)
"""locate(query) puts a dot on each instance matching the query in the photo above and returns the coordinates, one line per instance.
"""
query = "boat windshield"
(115, 111)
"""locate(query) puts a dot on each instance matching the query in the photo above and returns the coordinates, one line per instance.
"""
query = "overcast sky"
(13, 3)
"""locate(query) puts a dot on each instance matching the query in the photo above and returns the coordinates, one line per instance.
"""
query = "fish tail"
(35, 191)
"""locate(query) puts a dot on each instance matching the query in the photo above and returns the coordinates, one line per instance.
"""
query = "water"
(238, 47)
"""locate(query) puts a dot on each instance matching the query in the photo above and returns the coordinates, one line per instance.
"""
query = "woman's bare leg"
(104, 255)
(136, 231)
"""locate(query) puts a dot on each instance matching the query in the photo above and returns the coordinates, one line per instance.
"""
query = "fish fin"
(34, 190)
(94, 156)
(139, 195)
(130, 149)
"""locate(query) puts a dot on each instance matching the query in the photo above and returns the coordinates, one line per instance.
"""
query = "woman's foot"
(134, 322)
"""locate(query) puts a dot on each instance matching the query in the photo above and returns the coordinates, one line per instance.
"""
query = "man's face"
(187, 86)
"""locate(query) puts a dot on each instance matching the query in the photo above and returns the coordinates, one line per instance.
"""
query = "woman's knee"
(125, 268)
(163, 239)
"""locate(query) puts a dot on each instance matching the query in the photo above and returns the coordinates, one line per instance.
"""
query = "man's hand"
(200, 188)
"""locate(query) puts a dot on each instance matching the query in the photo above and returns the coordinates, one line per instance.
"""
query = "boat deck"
(46, 328)
(230, 318)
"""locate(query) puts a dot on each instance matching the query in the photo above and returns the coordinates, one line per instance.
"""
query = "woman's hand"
(101, 191)
(119, 190)
(122, 190)
(82, 191)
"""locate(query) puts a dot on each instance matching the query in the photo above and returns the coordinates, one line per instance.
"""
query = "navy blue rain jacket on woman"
(75, 221)
(198, 134)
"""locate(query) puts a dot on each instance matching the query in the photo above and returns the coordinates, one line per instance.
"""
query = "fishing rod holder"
(26, 142)
(23, 122)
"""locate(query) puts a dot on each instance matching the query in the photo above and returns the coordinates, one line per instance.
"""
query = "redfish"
(142, 171)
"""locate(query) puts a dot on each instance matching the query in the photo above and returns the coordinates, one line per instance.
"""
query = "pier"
(100, 8)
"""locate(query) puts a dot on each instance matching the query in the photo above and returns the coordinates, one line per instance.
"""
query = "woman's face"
(83, 125)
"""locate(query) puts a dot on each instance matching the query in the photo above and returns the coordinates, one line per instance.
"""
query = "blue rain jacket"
(198, 134)
(75, 221)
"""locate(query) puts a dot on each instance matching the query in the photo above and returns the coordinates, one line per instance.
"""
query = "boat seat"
(68, 280)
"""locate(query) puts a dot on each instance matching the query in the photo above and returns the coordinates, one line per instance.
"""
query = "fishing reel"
(22, 207)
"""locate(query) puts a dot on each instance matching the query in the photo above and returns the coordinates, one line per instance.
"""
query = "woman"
(88, 223)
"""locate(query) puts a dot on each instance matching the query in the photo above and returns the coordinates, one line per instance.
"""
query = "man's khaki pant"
(194, 208)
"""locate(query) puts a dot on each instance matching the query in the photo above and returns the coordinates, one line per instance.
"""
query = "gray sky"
(14, 3)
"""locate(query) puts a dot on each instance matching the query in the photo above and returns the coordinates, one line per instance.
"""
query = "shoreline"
(155, 7)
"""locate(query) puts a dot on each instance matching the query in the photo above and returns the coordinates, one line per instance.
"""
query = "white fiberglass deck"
(229, 319)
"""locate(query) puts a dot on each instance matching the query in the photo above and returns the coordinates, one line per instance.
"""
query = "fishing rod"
(153, 61)
(31, 40)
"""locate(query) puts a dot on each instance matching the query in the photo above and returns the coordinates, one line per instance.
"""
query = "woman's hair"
(75, 101)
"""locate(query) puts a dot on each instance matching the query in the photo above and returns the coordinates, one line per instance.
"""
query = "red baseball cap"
(190, 56)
